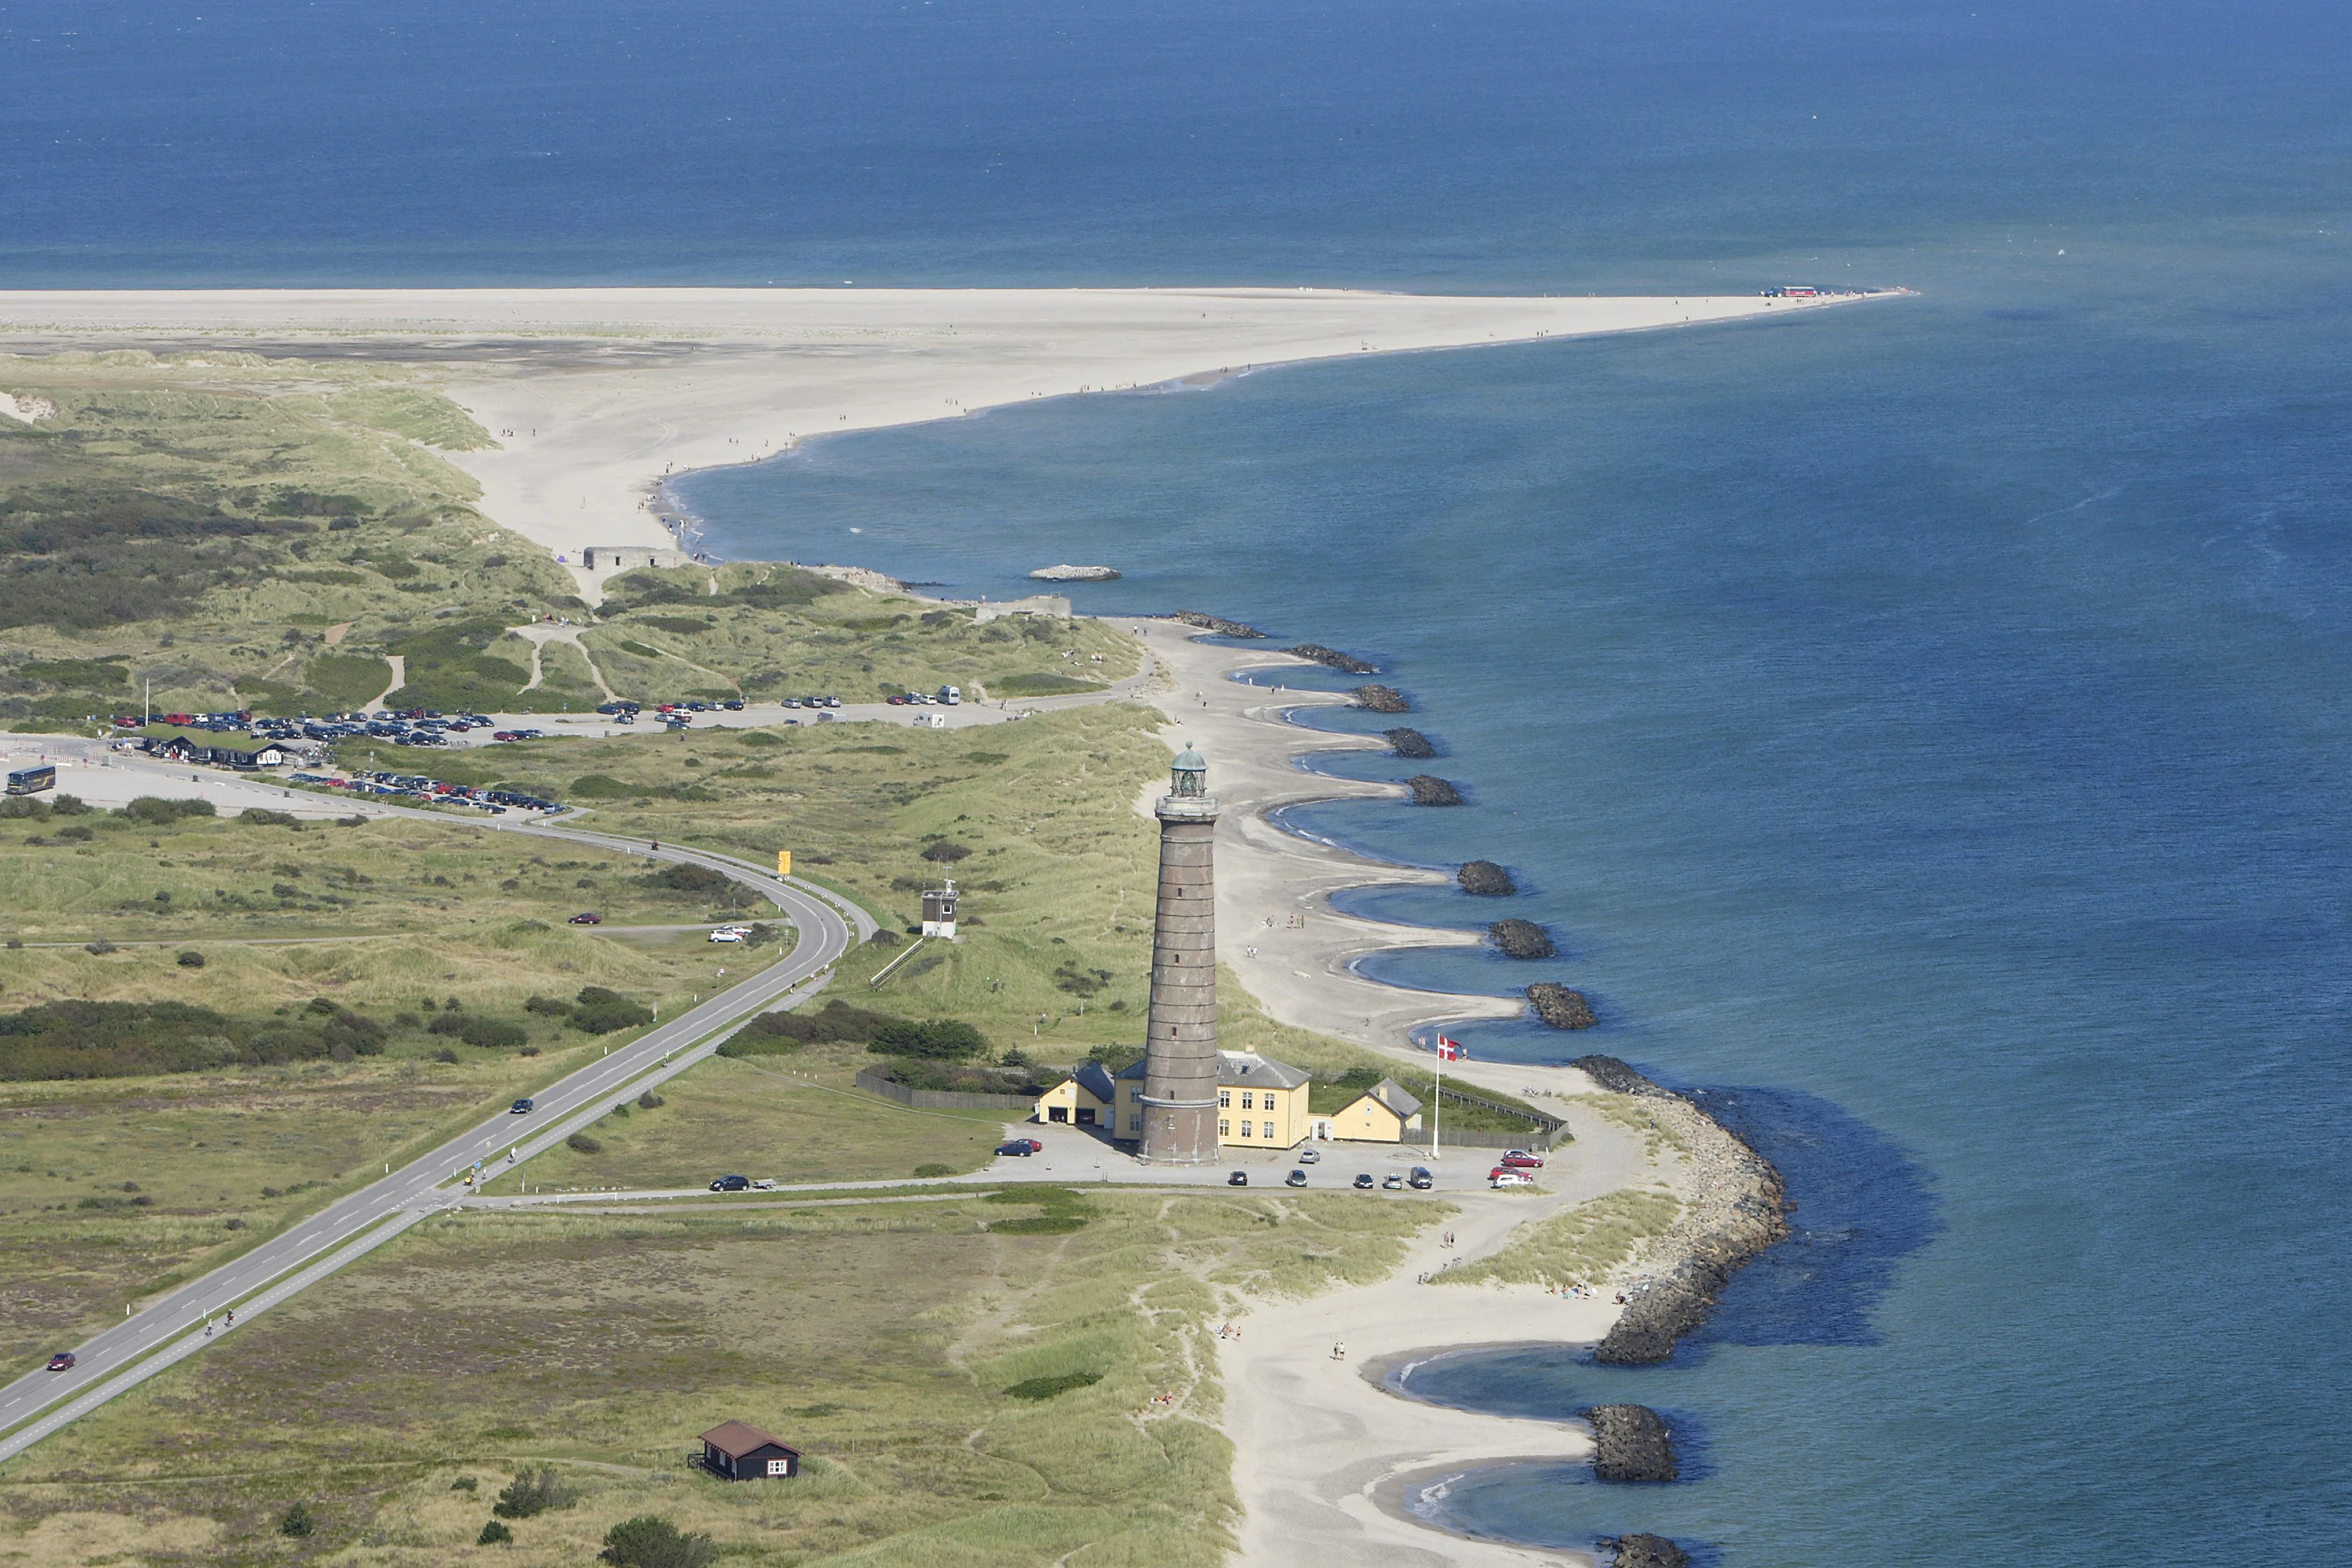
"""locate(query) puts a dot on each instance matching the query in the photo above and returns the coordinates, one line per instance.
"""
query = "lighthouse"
(1180, 1074)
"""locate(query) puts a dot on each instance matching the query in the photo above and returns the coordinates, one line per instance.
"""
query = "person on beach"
(1339, 1351)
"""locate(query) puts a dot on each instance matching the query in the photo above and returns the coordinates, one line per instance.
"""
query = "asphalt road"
(348, 1228)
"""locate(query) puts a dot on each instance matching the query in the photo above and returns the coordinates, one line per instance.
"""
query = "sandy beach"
(595, 395)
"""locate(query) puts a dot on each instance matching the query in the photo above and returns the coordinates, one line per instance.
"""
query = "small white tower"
(940, 910)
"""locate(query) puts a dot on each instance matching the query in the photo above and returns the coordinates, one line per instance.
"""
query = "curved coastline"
(1732, 1202)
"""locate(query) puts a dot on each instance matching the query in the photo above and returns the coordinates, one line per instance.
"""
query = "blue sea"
(1923, 725)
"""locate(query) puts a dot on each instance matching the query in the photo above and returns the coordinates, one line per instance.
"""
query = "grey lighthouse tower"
(1179, 1063)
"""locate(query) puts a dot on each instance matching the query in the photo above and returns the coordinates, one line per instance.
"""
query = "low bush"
(157, 812)
(552, 1006)
(937, 1039)
(1042, 1388)
(534, 1492)
(295, 1521)
(495, 1534)
(651, 1541)
(649, 1101)
(192, 959)
(262, 816)
(684, 877)
(581, 1144)
(491, 1035)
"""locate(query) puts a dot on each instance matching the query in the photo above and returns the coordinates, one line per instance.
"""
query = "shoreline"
(593, 397)
(1313, 1461)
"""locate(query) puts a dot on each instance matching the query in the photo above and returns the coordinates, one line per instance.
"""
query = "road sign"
(783, 862)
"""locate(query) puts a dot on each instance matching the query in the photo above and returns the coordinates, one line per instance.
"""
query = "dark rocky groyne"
(1522, 939)
(1382, 700)
(1643, 1550)
(1346, 663)
(1217, 623)
(1631, 1443)
(1561, 1008)
(1734, 1209)
(1486, 879)
(1428, 789)
(1410, 743)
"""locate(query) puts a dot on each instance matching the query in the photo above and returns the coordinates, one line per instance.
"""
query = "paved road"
(352, 1226)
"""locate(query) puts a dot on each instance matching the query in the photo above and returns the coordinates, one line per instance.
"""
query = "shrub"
(20, 807)
(1036, 1388)
(69, 806)
(102, 947)
(232, 1224)
(939, 1039)
(650, 1542)
(934, 1169)
(552, 1006)
(491, 1035)
(494, 1533)
(445, 1054)
(602, 787)
(295, 1521)
(605, 1018)
(446, 1024)
(649, 1101)
(192, 959)
(580, 1142)
(533, 1492)
(464, 1484)
(76, 834)
(683, 878)
(262, 816)
(157, 812)
(946, 851)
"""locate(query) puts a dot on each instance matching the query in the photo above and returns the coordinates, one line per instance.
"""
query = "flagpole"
(1437, 1110)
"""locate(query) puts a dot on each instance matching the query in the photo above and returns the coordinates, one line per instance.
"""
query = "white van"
(951, 695)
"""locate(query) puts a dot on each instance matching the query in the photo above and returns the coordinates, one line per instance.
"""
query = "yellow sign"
(783, 862)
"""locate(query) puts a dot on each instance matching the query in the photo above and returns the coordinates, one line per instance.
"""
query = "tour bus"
(32, 780)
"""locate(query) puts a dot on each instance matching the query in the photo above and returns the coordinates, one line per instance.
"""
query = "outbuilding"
(736, 1451)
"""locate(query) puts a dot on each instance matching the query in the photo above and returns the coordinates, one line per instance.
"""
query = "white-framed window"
(1247, 1103)
(780, 1467)
(1246, 1129)
(1135, 1124)
(1224, 1099)
(1225, 1129)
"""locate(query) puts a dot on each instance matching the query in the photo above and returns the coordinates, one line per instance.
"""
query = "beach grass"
(1583, 1247)
(884, 1340)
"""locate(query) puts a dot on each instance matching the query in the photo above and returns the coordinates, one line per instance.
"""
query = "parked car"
(519, 1107)
(1500, 1177)
(1310, 1156)
(1238, 1179)
(731, 1185)
(62, 1361)
(724, 935)
(1422, 1179)
(1296, 1179)
(1364, 1180)
(1393, 1182)
(1022, 1146)
(1520, 1160)
(584, 918)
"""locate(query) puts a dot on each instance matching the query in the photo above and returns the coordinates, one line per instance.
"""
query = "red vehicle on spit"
(1520, 1160)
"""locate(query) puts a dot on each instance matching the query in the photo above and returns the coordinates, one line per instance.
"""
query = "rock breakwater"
(1346, 663)
(1410, 743)
(1643, 1550)
(1561, 1008)
(1382, 700)
(1068, 573)
(1428, 789)
(1631, 1443)
(1521, 939)
(1217, 623)
(1485, 879)
(1733, 1209)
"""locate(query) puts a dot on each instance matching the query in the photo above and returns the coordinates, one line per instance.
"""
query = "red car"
(585, 919)
(1520, 1160)
(62, 1361)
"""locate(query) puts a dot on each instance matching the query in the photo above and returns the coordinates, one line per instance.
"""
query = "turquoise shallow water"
(1923, 726)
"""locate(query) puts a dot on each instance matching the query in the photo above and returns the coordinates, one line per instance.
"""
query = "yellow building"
(1383, 1113)
(1261, 1103)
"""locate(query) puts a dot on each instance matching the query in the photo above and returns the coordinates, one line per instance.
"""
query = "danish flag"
(1450, 1050)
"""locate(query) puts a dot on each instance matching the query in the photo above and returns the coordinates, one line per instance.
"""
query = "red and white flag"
(1450, 1050)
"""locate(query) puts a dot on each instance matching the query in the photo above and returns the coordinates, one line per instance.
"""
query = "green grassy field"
(236, 531)
(879, 1339)
(796, 1119)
